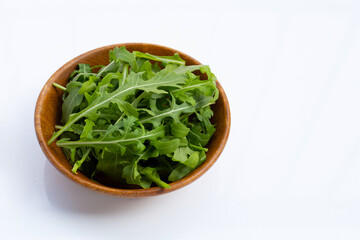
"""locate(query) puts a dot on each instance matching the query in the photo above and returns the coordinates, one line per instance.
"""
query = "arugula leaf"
(176, 59)
(113, 66)
(83, 68)
(186, 156)
(135, 122)
(182, 170)
(174, 111)
(132, 175)
(115, 143)
(88, 86)
(73, 99)
(80, 162)
(206, 87)
(86, 133)
(111, 164)
(166, 146)
(198, 136)
(179, 130)
(152, 175)
(147, 68)
(120, 53)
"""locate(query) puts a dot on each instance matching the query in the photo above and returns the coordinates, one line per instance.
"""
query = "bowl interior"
(48, 114)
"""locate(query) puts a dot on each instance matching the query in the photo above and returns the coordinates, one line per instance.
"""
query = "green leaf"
(88, 86)
(72, 100)
(193, 160)
(107, 79)
(186, 92)
(78, 164)
(126, 107)
(115, 143)
(87, 129)
(186, 156)
(179, 130)
(182, 170)
(146, 67)
(111, 164)
(197, 135)
(204, 115)
(112, 67)
(152, 175)
(132, 175)
(179, 172)
(82, 68)
(131, 171)
(165, 146)
(174, 111)
(120, 53)
(82, 73)
(176, 59)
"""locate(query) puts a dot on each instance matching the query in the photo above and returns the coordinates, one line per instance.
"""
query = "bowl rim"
(128, 193)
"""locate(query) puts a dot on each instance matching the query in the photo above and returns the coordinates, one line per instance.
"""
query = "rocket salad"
(142, 119)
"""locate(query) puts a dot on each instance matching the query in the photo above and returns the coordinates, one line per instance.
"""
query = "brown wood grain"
(48, 114)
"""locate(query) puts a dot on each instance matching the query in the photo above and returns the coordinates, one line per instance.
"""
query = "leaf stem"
(104, 68)
(125, 73)
(197, 147)
(60, 87)
(158, 58)
(158, 181)
(80, 162)
(97, 66)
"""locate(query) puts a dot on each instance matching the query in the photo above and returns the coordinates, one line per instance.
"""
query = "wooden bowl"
(48, 114)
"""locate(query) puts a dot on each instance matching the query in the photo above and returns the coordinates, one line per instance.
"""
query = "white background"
(291, 167)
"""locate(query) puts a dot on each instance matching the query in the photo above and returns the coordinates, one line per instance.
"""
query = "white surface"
(291, 167)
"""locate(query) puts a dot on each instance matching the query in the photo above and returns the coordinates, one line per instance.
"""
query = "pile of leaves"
(143, 119)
